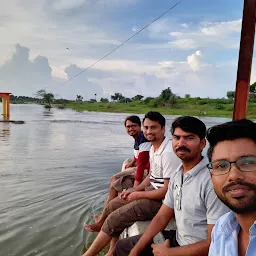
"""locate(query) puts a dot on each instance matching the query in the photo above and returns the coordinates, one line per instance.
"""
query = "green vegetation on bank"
(167, 103)
(193, 106)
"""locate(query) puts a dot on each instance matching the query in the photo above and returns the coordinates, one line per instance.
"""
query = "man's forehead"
(234, 148)
(148, 122)
(179, 132)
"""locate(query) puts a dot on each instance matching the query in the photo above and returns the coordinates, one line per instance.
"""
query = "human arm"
(156, 194)
(142, 162)
(159, 222)
(130, 164)
(145, 183)
(200, 248)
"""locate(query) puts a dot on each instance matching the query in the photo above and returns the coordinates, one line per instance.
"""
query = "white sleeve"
(170, 162)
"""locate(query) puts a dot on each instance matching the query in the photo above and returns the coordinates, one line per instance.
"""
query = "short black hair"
(155, 116)
(237, 129)
(133, 119)
(189, 124)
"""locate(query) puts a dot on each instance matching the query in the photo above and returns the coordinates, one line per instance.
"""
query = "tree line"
(166, 98)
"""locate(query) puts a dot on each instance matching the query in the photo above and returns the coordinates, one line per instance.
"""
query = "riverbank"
(210, 109)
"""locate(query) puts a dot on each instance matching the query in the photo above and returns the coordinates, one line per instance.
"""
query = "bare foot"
(95, 227)
(96, 217)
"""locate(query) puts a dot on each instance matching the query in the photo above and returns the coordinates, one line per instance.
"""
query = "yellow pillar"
(8, 108)
(4, 110)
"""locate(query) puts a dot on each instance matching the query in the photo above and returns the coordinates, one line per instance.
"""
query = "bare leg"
(99, 220)
(113, 242)
(98, 244)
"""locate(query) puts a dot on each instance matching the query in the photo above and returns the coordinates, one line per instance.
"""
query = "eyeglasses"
(243, 164)
(131, 126)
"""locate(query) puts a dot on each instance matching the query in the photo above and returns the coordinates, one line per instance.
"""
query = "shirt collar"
(162, 146)
(196, 169)
(230, 224)
(140, 135)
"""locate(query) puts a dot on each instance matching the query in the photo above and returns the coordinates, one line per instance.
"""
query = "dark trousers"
(124, 246)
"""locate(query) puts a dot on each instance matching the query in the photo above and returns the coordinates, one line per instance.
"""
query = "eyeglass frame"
(209, 166)
(131, 126)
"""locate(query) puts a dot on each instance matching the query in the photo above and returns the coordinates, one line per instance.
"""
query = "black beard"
(247, 207)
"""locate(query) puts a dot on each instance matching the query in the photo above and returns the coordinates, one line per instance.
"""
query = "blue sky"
(193, 49)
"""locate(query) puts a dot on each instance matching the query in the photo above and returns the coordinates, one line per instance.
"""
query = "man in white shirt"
(190, 197)
(144, 201)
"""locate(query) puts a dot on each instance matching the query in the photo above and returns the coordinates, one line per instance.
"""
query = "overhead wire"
(119, 46)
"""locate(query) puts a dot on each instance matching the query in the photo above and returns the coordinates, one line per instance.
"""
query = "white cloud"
(135, 29)
(60, 5)
(196, 62)
(144, 66)
(222, 34)
(185, 25)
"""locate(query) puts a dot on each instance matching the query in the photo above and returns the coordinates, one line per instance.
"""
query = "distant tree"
(104, 100)
(173, 101)
(79, 98)
(93, 100)
(40, 93)
(253, 88)
(187, 96)
(125, 100)
(231, 95)
(48, 98)
(252, 91)
(138, 97)
(117, 97)
(148, 99)
(166, 95)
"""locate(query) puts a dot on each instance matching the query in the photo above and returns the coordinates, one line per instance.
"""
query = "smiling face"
(236, 189)
(187, 145)
(132, 129)
(153, 131)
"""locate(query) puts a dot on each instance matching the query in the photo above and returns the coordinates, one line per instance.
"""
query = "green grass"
(210, 108)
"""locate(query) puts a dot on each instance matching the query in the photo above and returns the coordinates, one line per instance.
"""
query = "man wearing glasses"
(232, 156)
(143, 202)
(133, 174)
(190, 197)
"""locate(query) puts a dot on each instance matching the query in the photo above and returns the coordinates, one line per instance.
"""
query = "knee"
(112, 180)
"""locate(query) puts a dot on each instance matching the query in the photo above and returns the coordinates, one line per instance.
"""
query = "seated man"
(144, 201)
(134, 171)
(232, 153)
(190, 197)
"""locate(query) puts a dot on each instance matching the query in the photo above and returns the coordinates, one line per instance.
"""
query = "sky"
(193, 49)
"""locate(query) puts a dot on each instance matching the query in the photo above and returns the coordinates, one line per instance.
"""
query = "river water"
(54, 175)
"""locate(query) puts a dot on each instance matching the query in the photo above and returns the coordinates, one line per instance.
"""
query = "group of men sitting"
(213, 200)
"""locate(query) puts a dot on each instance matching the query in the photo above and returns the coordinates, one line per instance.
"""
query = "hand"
(129, 165)
(125, 194)
(161, 249)
(133, 196)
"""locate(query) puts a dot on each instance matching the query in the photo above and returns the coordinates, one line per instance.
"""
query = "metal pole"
(245, 60)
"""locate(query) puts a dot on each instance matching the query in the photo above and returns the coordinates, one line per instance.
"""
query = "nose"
(182, 142)
(235, 173)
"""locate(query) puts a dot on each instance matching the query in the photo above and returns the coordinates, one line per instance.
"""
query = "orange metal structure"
(6, 104)
(245, 60)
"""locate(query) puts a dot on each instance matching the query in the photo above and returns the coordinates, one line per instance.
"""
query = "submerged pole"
(245, 60)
